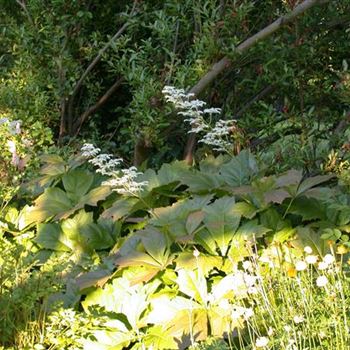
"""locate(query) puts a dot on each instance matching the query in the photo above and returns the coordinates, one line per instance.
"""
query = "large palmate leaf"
(193, 284)
(181, 316)
(200, 182)
(50, 236)
(205, 263)
(77, 183)
(88, 235)
(120, 297)
(251, 230)
(122, 207)
(158, 337)
(174, 219)
(221, 221)
(240, 170)
(306, 236)
(52, 202)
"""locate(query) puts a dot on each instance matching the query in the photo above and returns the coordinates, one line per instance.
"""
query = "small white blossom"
(247, 265)
(322, 265)
(217, 136)
(298, 319)
(261, 342)
(311, 259)
(196, 253)
(89, 150)
(300, 265)
(321, 281)
(308, 250)
(122, 181)
(328, 259)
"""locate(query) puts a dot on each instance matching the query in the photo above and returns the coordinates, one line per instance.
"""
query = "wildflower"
(342, 249)
(248, 313)
(270, 331)
(322, 335)
(329, 259)
(287, 328)
(298, 319)
(322, 265)
(300, 266)
(247, 265)
(261, 342)
(196, 253)
(308, 250)
(89, 150)
(311, 259)
(291, 272)
(321, 281)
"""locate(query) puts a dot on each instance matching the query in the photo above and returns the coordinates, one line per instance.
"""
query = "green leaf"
(55, 165)
(193, 284)
(122, 207)
(251, 230)
(155, 245)
(77, 183)
(199, 182)
(306, 236)
(157, 337)
(193, 221)
(52, 202)
(49, 237)
(206, 263)
(221, 221)
(245, 209)
(240, 170)
(311, 182)
(88, 235)
(308, 209)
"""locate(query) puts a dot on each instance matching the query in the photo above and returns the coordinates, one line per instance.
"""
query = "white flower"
(300, 265)
(321, 281)
(322, 265)
(308, 250)
(196, 253)
(261, 342)
(270, 331)
(298, 319)
(89, 150)
(247, 265)
(248, 313)
(311, 259)
(328, 259)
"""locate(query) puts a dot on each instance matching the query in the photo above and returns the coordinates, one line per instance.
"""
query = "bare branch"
(226, 63)
(97, 59)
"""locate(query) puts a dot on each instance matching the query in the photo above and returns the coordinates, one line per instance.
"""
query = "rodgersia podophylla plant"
(219, 136)
(122, 181)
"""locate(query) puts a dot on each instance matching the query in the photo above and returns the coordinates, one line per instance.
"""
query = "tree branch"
(95, 61)
(226, 63)
(79, 122)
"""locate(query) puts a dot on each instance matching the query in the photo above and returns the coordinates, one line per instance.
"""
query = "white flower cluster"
(122, 181)
(192, 109)
(218, 136)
